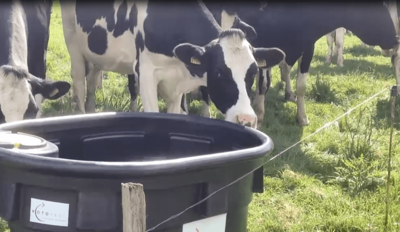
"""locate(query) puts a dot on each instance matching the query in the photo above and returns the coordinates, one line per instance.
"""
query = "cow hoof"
(259, 125)
(328, 60)
(303, 122)
(340, 64)
(290, 97)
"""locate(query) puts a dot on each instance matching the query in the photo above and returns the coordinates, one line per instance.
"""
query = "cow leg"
(99, 84)
(174, 103)
(92, 83)
(263, 82)
(205, 109)
(330, 40)
(339, 44)
(39, 101)
(78, 81)
(148, 85)
(304, 66)
(133, 90)
(285, 76)
(172, 99)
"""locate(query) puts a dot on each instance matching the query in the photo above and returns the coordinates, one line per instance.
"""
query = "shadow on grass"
(351, 66)
(359, 50)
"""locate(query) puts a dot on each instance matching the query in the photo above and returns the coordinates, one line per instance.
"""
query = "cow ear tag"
(261, 63)
(194, 60)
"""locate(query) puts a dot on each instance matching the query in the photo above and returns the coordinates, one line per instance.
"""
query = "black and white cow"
(23, 44)
(295, 27)
(175, 47)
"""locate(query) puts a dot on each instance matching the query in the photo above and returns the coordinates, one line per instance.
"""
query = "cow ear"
(268, 57)
(49, 89)
(246, 28)
(190, 54)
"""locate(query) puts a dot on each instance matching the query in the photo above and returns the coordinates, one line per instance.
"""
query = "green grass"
(335, 181)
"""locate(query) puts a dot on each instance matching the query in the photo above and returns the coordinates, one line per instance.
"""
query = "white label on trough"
(212, 224)
(49, 212)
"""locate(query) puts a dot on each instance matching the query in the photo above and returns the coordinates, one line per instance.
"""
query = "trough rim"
(17, 159)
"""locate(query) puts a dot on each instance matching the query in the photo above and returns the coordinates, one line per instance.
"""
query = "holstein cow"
(295, 28)
(23, 44)
(176, 47)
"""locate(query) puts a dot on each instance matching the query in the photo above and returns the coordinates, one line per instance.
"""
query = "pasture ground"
(335, 181)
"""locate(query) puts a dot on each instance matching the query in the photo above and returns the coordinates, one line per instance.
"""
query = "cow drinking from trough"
(295, 27)
(172, 47)
(23, 44)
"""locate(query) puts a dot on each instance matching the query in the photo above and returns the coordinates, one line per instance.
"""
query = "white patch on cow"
(301, 91)
(130, 4)
(116, 6)
(18, 39)
(101, 22)
(227, 20)
(238, 57)
(14, 96)
(339, 45)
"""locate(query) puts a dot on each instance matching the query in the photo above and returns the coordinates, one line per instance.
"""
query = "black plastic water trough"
(179, 160)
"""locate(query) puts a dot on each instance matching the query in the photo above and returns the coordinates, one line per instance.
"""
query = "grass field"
(335, 181)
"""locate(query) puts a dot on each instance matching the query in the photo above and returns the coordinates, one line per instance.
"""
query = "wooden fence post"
(133, 207)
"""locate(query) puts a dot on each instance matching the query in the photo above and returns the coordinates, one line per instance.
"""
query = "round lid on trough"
(10, 140)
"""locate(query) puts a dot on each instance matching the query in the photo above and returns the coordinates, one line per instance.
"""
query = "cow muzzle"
(249, 120)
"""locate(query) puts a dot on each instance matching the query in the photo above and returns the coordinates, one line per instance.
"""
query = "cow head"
(230, 65)
(17, 88)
